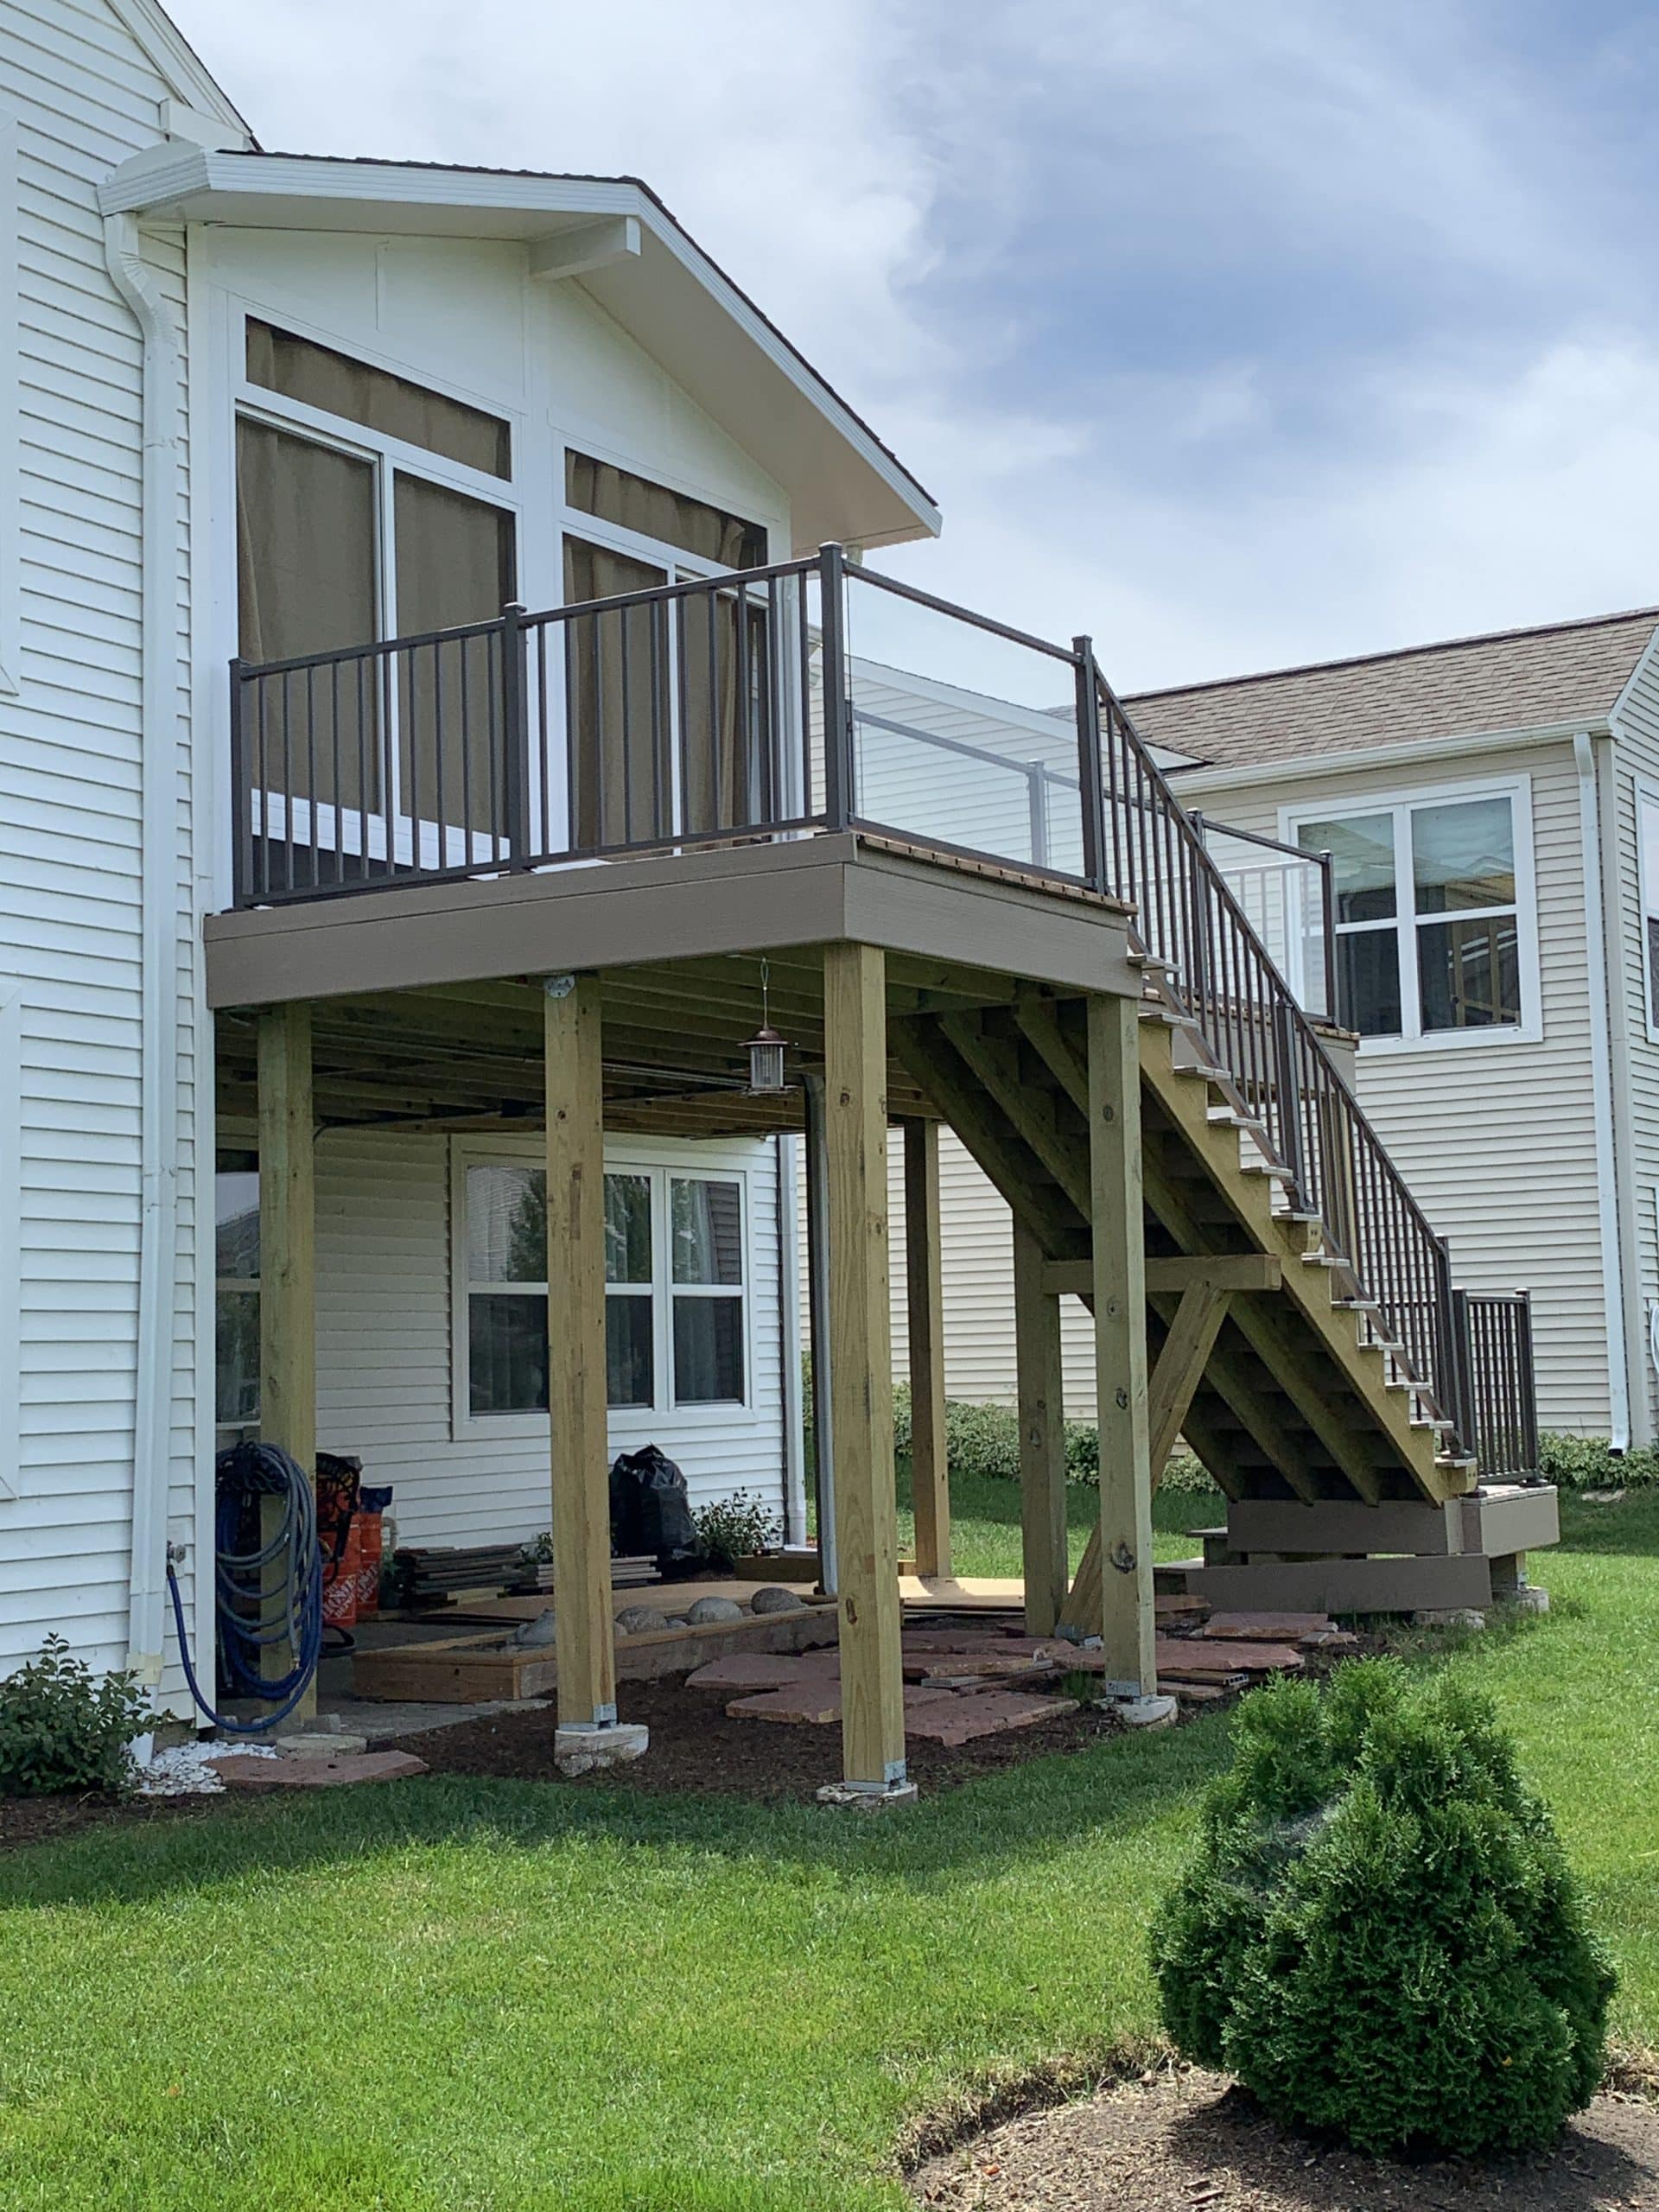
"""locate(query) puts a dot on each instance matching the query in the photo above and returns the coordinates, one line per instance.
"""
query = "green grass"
(444, 1995)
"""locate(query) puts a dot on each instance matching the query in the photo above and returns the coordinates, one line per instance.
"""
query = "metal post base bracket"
(581, 1750)
(857, 1797)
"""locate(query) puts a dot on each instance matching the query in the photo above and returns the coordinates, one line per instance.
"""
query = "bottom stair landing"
(1273, 1555)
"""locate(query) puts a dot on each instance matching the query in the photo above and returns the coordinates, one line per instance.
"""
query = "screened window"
(675, 1326)
(235, 1267)
(1429, 915)
(1647, 823)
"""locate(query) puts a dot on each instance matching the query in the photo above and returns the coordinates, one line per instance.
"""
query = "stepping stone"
(1196, 1693)
(815, 1703)
(958, 1720)
(978, 1666)
(1265, 1628)
(748, 1670)
(240, 1772)
(1193, 1655)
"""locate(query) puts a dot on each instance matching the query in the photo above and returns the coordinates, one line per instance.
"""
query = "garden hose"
(256, 1574)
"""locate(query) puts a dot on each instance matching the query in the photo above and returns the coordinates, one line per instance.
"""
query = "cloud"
(1233, 335)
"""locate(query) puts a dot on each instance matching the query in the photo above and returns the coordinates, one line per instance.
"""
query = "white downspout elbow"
(159, 894)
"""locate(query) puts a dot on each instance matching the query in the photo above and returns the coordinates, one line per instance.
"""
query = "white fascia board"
(265, 191)
(1325, 765)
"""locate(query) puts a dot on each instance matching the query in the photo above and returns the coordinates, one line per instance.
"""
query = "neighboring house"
(1492, 806)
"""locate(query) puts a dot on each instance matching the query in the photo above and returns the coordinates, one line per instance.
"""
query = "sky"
(1235, 335)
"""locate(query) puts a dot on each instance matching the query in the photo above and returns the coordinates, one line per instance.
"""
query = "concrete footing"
(1529, 1600)
(849, 1797)
(580, 1751)
(1138, 1711)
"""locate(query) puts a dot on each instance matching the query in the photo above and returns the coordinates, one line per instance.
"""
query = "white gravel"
(183, 1771)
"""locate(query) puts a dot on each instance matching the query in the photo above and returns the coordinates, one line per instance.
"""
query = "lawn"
(447, 1995)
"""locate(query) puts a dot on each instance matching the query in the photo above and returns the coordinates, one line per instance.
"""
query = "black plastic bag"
(651, 1512)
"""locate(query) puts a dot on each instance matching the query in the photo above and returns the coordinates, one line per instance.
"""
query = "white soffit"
(670, 297)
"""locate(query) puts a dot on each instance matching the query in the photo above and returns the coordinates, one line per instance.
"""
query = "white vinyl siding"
(84, 98)
(385, 1309)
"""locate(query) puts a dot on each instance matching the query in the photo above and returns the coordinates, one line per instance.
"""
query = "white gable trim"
(177, 59)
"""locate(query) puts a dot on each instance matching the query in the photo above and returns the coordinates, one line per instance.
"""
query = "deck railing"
(726, 710)
(1498, 1407)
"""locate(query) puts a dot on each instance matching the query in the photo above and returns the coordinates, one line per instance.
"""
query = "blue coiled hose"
(244, 1477)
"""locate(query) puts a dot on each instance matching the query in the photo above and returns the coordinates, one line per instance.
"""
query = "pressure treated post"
(930, 1474)
(1041, 1390)
(288, 1294)
(860, 1367)
(575, 1364)
(1120, 1288)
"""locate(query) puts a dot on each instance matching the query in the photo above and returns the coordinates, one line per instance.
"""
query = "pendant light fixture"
(766, 1050)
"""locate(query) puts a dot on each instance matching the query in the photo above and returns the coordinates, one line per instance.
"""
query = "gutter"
(1601, 1082)
(1618, 1030)
(1325, 765)
(158, 1064)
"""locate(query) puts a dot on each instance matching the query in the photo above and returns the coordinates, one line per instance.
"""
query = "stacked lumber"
(425, 1577)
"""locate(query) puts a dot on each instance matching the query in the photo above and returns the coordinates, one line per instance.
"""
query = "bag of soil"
(651, 1512)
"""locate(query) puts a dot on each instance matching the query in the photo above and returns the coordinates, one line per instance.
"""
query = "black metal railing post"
(1090, 790)
(1461, 1405)
(1328, 925)
(1288, 1080)
(241, 795)
(839, 796)
(1531, 1451)
(515, 734)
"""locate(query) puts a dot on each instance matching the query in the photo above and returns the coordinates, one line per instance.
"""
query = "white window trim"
(11, 1209)
(1645, 793)
(630, 1426)
(1400, 804)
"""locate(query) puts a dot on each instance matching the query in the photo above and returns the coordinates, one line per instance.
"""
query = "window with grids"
(1429, 915)
(675, 1286)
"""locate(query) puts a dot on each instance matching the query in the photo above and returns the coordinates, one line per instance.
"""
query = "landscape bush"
(735, 1527)
(1590, 1462)
(1379, 1936)
(62, 1728)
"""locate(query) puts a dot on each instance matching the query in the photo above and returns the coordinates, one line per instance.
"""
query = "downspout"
(1618, 1019)
(1601, 1084)
(159, 893)
(789, 1337)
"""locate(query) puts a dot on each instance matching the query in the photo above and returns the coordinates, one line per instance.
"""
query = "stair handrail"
(1217, 972)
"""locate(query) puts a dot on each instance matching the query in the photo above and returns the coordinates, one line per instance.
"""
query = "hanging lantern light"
(766, 1050)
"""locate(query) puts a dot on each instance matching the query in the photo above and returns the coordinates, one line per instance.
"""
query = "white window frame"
(1645, 793)
(630, 1425)
(1405, 923)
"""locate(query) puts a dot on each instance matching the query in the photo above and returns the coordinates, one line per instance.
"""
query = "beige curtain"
(352, 390)
(455, 564)
(306, 584)
(725, 751)
(618, 667)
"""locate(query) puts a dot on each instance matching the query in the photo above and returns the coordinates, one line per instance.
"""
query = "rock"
(774, 1598)
(532, 1635)
(676, 1620)
(713, 1609)
(1530, 1599)
(1464, 1616)
(639, 1620)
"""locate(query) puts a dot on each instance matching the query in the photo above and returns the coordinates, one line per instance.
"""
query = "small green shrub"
(1590, 1462)
(62, 1729)
(1379, 1936)
(731, 1529)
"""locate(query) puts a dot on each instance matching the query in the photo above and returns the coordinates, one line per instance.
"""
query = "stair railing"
(1214, 969)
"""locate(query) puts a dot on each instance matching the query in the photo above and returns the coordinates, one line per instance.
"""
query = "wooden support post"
(930, 1475)
(1042, 1435)
(1118, 1226)
(860, 1365)
(576, 1363)
(818, 1306)
(287, 1290)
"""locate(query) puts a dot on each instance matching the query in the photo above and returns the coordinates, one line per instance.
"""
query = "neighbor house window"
(235, 1268)
(1646, 832)
(675, 1325)
(1432, 923)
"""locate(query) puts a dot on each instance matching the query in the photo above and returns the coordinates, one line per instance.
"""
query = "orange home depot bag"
(341, 1564)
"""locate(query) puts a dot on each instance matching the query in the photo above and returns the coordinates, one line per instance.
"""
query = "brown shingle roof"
(1515, 679)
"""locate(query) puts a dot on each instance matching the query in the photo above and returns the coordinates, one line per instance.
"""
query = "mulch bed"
(695, 1746)
(1181, 2140)
(42, 1820)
